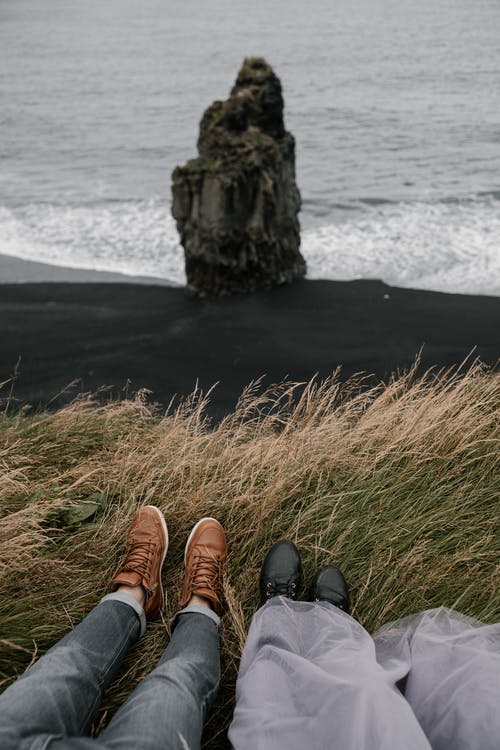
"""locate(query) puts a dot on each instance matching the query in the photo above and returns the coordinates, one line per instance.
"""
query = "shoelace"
(281, 589)
(206, 573)
(139, 558)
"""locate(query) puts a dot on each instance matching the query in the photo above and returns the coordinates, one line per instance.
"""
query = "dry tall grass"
(396, 483)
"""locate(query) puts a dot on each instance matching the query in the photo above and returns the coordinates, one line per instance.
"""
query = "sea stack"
(236, 206)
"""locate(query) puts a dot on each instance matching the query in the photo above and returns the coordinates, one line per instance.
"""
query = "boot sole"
(193, 531)
(165, 532)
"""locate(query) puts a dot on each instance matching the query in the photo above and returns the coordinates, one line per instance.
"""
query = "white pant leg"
(453, 683)
(309, 679)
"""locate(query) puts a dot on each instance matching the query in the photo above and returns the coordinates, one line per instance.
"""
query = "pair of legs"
(312, 677)
(52, 706)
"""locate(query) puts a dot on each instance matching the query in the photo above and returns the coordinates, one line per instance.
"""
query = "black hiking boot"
(281, 572)
(330, 585)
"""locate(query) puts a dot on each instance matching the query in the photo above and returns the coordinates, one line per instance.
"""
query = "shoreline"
(19, 271)
(130, 336)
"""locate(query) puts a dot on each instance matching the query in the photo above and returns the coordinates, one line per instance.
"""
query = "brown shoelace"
(139, 558)
(207, 569)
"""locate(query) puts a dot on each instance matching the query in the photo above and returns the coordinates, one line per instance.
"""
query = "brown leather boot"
(204, 559)
(147, 544)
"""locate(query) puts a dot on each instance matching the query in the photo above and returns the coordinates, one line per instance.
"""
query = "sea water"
(395, 106)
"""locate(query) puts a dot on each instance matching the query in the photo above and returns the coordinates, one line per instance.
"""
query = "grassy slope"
(397, 484)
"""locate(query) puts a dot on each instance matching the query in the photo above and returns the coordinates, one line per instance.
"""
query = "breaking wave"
(447, 246)
(136, 238)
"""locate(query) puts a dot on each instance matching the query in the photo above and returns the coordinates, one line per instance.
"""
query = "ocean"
(394, 104)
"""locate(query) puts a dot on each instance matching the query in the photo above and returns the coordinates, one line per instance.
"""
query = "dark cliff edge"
(135, 336)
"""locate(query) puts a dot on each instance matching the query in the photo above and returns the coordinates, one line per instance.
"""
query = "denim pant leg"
(58, 696)
(168, 709)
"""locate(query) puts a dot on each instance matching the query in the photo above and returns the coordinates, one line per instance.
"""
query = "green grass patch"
(398, 484)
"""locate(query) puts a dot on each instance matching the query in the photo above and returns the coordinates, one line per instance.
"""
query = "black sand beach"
(135, 336)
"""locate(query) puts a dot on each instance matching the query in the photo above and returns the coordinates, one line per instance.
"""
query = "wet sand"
(131, 336)
(17, 271)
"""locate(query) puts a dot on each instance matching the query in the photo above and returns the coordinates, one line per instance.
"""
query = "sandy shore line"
(130, 336)
(18, 271)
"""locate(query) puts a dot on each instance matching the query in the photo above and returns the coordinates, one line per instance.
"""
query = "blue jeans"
(53, 704)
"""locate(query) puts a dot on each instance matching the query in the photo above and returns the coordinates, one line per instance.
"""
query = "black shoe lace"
(288, 589)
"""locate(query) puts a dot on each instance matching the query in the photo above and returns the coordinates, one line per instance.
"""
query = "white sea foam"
(134, 238)
(451, 247)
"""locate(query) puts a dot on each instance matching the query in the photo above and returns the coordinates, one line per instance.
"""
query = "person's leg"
(58, 696)
(56, 699)
(452, 668)
(168, 709)
(309, 678)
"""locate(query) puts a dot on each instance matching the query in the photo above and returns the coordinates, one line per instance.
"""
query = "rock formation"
(236, 205)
